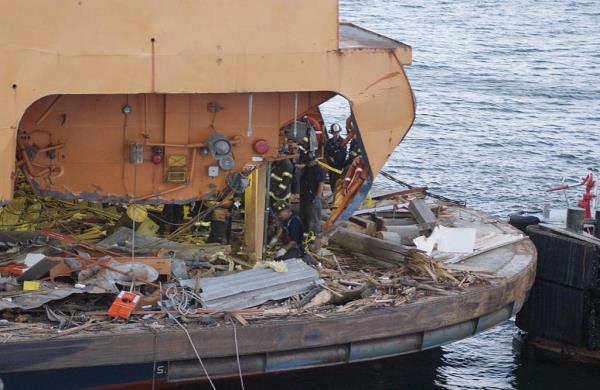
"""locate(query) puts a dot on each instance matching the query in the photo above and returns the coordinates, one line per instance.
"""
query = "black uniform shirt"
(293, 230)
(335, 152)
(309, 182)
(355, 151)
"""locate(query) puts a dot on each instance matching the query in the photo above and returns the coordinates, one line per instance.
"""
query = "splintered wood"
(384, 264)
(423, 265)
(359, 285)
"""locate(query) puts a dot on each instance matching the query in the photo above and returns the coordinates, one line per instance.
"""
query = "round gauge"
(226, 163)
(222, 146)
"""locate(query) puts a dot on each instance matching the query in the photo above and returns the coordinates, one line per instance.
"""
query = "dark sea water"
(508, 99)
(508, 95)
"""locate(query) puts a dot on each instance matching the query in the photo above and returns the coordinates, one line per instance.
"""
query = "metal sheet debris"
(117, 273)
(123, 238)
(32, 300)
(256, 286)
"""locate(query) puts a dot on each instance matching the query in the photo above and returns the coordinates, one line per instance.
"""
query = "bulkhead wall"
(150, 148)
(110, 47)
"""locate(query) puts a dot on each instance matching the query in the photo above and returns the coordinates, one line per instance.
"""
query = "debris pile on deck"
(61, 272)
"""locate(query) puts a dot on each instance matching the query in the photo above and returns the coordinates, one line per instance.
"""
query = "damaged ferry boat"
(113, 110)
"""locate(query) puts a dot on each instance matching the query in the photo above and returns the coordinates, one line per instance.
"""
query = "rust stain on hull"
(388, 76)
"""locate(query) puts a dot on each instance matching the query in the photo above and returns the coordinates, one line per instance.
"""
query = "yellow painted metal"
(137, 213)
(31, 285)
(105, 47)
(329, 167)
(254, 213)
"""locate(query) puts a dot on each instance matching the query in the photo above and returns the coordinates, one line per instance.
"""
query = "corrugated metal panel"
(256, 286)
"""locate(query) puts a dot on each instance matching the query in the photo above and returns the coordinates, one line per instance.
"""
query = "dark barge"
(561, 319)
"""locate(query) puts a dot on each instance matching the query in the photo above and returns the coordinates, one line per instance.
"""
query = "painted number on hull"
(161, 369)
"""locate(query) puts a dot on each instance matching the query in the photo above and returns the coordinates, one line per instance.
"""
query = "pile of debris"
(30, 212)
(53, 283)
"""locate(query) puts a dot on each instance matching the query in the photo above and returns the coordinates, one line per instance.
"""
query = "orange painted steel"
(353, 180)
(96, 135)
(70, 68)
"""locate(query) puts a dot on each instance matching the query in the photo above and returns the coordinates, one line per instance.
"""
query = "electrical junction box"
(213, 171)
(136, 153)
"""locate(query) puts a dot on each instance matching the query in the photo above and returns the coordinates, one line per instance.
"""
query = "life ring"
(314, 123)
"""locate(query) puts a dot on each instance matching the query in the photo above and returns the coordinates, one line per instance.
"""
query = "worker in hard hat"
(335, 154)
(292, 235)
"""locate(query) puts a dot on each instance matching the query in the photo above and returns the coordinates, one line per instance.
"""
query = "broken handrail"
(388, 176)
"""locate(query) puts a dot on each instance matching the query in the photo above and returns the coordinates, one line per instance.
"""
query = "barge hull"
(163, 373)
(280, 346)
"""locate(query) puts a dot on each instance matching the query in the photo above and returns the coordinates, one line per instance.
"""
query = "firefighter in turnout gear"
(335, 154)
(282, 175)
(311, 192)
(355, 150)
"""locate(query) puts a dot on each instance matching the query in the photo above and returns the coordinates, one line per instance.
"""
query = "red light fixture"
(156, 159)
(157, 155)
(261, 146)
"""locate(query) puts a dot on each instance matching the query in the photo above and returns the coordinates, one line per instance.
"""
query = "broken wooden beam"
(402, 234)
(329, 296)
(371, 246)
(363, 225)
(423, 214)
(398, 221)
(413, 283)
(388, 236)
